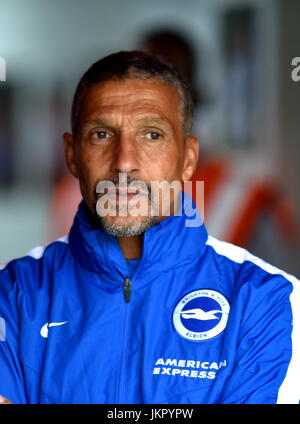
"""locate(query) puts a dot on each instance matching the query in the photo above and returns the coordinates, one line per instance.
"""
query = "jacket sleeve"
(289, 391)
(264, 348)
(12, 375)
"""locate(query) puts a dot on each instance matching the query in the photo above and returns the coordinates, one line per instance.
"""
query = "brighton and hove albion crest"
(201, 315)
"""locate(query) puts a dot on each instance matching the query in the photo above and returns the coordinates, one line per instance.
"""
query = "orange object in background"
(63, 207)
(237, 196)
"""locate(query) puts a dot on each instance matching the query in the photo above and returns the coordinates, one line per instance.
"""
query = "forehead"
(133, 96)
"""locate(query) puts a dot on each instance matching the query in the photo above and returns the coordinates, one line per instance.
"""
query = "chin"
(127, 226)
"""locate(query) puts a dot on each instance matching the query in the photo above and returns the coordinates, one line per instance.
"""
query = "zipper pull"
(127, 289)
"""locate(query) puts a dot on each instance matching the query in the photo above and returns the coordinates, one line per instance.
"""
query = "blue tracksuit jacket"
(196, 321)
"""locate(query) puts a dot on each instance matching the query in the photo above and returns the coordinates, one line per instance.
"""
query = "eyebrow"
(152, 120)
(145, 120)
(101, 122)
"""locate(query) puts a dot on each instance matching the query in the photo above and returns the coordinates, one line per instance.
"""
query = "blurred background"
(237, 56)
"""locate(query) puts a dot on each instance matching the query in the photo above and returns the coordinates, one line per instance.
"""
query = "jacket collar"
(171, 243)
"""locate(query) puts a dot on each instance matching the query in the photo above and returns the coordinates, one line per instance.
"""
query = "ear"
(69, 147)
(191, 154)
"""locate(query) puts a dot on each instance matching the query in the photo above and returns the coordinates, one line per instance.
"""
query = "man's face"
(132, 126)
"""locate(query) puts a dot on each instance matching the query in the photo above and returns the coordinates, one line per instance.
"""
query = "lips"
(125, 192)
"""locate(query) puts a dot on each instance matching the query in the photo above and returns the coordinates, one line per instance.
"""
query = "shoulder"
(254, 284)
(245, 262)
(46, 257)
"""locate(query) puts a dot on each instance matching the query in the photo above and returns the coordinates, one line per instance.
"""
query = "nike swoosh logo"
(44, 329)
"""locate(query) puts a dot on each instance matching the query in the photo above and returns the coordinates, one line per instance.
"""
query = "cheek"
(87, 172)
(90, 164)
(170, 169)
(164, 165)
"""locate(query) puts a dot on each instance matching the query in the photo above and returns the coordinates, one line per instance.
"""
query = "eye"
(153, 135)
(100, 134)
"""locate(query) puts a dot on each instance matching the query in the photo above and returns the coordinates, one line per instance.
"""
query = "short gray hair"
(126, 64)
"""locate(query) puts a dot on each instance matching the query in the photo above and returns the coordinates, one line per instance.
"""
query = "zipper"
(123, 377)
(127, 289)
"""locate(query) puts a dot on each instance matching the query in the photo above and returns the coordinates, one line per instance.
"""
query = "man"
(138, 304)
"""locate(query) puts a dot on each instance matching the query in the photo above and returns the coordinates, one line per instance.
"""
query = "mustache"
(124, 182)
(119, 182)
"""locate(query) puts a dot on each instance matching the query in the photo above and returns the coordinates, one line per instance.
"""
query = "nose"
(125, 155)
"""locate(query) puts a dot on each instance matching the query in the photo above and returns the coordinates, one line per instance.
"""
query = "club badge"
(201, 315)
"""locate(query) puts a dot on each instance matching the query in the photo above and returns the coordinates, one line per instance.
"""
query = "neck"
(131, 246)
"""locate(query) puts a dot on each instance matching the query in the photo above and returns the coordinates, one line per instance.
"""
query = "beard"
(127, 219)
